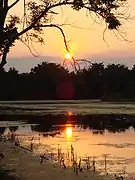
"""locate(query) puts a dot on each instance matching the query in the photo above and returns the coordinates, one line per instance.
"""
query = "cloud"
(125, 58)
(25, 63)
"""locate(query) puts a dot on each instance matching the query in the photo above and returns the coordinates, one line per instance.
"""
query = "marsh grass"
(64, 158)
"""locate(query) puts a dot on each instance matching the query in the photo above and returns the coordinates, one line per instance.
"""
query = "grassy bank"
(26, 165)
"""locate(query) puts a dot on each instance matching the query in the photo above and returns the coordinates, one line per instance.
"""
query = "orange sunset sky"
(85, 42)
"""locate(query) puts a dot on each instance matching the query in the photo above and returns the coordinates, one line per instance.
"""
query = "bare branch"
(74, 63)
(14, 3)
(53, 12)
(29, 48)
(5, 4)
(1, 4)
(64, 3)
(41, 15)
(62, 32)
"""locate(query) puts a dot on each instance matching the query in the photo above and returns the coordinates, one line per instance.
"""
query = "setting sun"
(68, 56)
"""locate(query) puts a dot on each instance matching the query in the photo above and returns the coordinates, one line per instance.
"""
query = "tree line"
(49, 81)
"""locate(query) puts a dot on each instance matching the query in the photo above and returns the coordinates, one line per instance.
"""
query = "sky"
(85, 40)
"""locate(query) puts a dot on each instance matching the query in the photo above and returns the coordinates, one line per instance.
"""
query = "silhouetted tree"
(38, 15)
(81, 85)
(116, 79)
(3, 84)
(12, 83)
(52, 81)
(93, 77)
(46, 77)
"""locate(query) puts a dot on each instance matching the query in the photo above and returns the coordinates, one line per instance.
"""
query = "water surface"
(93, 135)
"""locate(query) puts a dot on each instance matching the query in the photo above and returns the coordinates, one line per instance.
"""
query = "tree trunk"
(3, 14)
(4, 57)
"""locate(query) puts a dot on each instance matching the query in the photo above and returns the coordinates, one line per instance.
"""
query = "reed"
(66, 158)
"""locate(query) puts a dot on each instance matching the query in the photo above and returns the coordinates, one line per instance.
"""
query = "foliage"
(52, 81)
(39, 15)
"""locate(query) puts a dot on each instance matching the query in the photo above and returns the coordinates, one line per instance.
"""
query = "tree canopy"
(39, 14)
(52, 81)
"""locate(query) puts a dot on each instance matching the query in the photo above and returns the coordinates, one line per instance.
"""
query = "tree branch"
(74, 63)
(5, 4)
(64, 3)
(1, 4)
(14, 3)
(62, 32)
(32, 25)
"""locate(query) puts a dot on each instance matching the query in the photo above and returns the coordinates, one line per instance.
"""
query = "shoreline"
(61, 108)
(26, 165)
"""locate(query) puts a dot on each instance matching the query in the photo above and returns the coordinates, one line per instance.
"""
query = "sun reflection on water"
(70, 113)
(68, 131)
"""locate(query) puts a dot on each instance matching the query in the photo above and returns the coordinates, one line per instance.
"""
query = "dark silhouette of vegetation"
(49, 81)
(5, 175)
(96, 123)
(13, 129)
(39, 15)
(50, 125)
(2, 130)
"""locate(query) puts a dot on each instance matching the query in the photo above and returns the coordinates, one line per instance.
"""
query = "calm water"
(91, 135)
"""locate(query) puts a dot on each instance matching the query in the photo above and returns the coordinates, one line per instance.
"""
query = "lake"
(95, 130)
